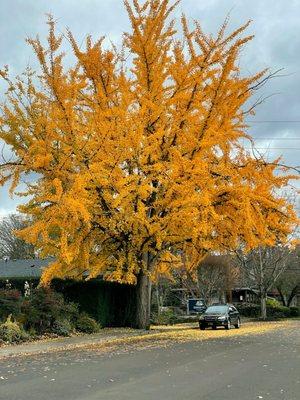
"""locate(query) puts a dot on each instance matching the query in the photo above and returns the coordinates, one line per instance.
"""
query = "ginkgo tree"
(137, 152)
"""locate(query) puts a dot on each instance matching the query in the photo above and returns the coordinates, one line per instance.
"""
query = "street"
(258, 366)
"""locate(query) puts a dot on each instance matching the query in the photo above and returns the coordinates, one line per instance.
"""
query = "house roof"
(29, 268)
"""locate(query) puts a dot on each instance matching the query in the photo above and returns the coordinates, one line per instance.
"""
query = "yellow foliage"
(140, 166)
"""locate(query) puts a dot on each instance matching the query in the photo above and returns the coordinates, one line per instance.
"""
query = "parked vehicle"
(196, 306)
(220, 315)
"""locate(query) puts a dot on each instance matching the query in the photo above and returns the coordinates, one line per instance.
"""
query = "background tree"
(262, 267)
(136, 162)
(10, 245)
(164, 295)
(288, 284)
(216, 277)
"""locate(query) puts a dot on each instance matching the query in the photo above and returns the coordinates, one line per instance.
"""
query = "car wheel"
(238, 324)
(228, 325)
(214, 327)
(201, 326)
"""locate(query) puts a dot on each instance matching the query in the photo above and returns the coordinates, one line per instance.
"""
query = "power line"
(273, 122)
(273, 148)
(273, 138)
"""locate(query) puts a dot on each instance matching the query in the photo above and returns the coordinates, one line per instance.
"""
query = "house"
(22, 268)
(243, 295)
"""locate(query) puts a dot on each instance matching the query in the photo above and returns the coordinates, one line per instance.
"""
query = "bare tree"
(162, 290)
(10, 245)
(216, 277)
(262, 267)
(288, 285)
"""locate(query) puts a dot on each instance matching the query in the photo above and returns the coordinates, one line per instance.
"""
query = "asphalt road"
(239, 368)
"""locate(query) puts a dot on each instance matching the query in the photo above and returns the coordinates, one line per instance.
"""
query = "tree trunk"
(229, 296)
(263, 306)
(158, 299)
(222, 297)
(262, 288)
(292, 295)
(143, 301)
(282, 297)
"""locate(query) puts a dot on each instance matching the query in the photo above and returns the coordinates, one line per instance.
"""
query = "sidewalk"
(106, 336)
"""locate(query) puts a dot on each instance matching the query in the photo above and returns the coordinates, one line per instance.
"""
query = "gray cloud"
(276, 25)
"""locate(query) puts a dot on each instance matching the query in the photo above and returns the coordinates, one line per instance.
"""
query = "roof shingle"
(29, 268)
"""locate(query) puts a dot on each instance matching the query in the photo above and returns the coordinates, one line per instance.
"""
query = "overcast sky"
(276, 25)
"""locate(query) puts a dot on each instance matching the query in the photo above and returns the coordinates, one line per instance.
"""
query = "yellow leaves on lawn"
(191, 332)
(181, 333)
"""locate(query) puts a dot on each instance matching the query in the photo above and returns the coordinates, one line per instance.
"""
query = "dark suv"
(220, 315)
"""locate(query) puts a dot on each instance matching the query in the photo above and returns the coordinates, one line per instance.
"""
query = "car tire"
(228, 325)
(202, 327)
(237, 326)
(214, 327)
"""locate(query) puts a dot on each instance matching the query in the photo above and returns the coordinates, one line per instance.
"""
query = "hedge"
(110, 304)
(273, 310)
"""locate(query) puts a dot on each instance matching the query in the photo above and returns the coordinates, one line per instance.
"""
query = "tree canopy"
(138, 151)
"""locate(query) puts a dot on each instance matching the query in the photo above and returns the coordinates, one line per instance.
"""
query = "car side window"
(231, 309)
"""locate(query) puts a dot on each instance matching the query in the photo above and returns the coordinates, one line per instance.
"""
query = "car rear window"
(216, 310)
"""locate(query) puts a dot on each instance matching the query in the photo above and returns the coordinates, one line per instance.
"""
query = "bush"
(273, 303)
(45, 311)
(250, 310)
(87, 324)
(186, 319)
(276, 310)
(295, 311)
(44, 308)
(71, 312)
(166, 317)
(10, 303)
(62, 327)
(12, 332)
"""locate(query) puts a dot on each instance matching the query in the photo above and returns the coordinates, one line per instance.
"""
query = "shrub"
(180, 319)
(166, 317)
(10, 303)
(276, 310)
(295, 311)
(71, 312)
(87, 324)
(62, 327)
(250, 310)
(12, 332)
(44, 308)
(273, 303)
